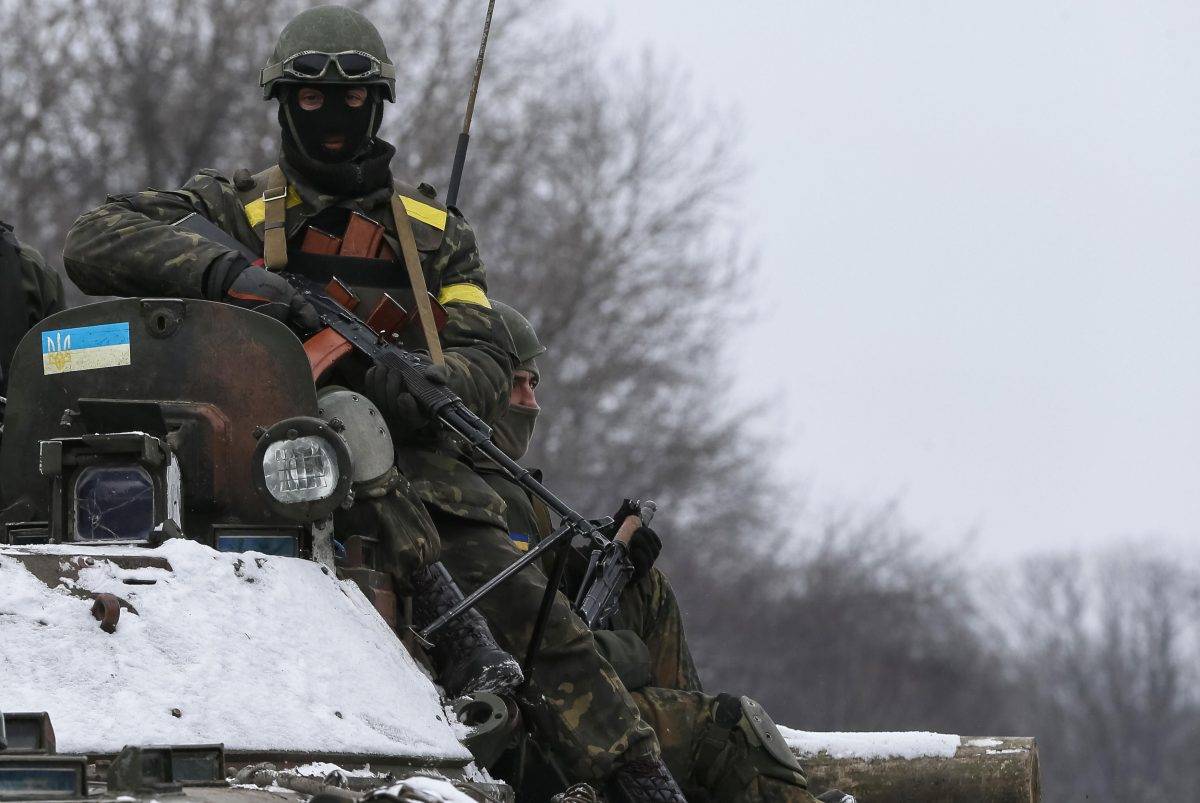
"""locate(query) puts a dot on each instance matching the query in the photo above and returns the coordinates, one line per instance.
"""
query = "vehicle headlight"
(302, 468)
(112, 487)
(114, 502)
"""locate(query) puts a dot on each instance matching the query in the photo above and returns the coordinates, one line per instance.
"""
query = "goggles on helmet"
(313, 65)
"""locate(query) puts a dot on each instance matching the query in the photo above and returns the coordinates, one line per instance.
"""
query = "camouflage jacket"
(40, 285)
(129, 247)
(32, 291)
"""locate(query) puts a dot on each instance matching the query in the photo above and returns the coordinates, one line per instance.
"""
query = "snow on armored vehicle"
(167, 479)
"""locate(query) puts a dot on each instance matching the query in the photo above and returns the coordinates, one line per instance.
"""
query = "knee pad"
(740, 748)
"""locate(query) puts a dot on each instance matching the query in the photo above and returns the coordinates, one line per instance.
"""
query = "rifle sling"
(275, 252)
(416, 278)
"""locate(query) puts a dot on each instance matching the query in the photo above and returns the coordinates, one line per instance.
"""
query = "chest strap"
(416, 279)
(275, 255)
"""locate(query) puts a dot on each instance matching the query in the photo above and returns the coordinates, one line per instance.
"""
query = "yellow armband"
(465, 294)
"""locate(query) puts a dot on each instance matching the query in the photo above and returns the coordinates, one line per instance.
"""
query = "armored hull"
(162, 616)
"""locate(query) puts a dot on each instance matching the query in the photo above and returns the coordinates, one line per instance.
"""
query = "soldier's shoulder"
(430, 217)
(423, 192)
(209, 181)
(26, 253)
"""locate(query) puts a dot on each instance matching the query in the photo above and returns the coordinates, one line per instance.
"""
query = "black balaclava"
(363, 163)
(512, 432)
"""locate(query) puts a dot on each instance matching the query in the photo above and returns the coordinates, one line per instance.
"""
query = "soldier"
(29, 291)
(721, 748)
(331, 207)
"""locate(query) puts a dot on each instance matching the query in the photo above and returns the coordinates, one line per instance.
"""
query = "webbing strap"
(416, 278)
(541, 515)
(274, 198)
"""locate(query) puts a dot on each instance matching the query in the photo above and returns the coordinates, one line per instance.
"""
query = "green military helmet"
(329, 45)
(524, 337)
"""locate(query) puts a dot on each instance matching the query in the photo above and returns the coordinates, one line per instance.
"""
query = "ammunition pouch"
(742, 745)
(381, 274)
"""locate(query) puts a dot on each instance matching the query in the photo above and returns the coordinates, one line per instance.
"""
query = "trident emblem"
(59, 349)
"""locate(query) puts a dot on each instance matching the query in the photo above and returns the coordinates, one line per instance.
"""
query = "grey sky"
(978, 231)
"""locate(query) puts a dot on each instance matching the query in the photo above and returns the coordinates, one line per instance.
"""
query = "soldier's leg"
(466, 658)
(596, 726)
(722, 748)
(650, 609)
(387, 510)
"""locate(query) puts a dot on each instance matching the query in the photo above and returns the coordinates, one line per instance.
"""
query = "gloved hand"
(644, 549)
(263, 291)
(385, 386)
(644, 546)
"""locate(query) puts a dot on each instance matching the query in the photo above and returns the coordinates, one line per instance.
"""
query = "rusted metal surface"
(379, 589)
(221, 371)
(107, 609)
(57, 569)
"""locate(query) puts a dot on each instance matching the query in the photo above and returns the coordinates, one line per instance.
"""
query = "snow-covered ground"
(903, 745)
(257, 652)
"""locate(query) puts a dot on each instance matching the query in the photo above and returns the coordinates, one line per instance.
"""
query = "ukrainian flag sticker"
(520, 541)
(85, 348)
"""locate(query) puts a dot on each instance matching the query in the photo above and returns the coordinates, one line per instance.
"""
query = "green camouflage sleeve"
(128, 246)
(42, 285)
(479, 351)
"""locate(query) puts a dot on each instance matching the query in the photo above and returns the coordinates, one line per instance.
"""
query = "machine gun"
(609, 568)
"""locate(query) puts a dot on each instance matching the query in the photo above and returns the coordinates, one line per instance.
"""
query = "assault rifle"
(344, 332)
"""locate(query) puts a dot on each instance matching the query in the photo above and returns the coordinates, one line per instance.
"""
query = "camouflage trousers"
(711, 762)
(649, 608)
(587, 714)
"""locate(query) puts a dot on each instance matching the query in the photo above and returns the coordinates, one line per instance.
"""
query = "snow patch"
(983, 743)
(435, 788)
(903, 745)
(323, 769)
(259, 652)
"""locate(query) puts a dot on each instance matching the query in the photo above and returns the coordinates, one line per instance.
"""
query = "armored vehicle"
(177, 614)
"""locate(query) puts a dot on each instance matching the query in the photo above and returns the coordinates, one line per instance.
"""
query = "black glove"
(644, 548)
(385, 386)
(263, 291)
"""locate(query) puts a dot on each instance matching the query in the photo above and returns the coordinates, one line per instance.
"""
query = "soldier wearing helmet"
(720, 747)
(331, 207)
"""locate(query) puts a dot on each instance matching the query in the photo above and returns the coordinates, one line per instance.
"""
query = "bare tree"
(1106, 651)
(863, 627)
(596, 188)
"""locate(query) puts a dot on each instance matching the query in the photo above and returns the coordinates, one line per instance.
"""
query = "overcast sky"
(978, 234)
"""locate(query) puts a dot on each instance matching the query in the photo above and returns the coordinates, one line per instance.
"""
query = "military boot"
(579, 793)
(465, 654)
(646, 780)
